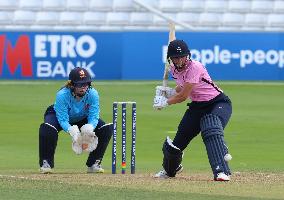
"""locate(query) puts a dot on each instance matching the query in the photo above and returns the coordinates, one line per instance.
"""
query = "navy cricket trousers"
(48, 140)
(189, 126)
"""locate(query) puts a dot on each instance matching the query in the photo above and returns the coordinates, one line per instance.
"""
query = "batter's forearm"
(176, 99)
(178, 89)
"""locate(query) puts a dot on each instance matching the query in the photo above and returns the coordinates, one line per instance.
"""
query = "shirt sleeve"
(61, 109)
(94, 109)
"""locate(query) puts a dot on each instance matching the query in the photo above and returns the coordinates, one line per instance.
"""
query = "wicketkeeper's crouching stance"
(76, 111)
(208, 113)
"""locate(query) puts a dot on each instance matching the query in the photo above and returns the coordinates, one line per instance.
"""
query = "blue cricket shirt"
(69, 110)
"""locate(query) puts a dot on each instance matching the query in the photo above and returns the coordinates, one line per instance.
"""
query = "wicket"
(123, 136)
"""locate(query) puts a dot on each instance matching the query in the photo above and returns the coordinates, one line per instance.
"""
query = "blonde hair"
(68, 84)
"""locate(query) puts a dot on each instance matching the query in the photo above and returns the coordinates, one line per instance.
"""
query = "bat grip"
(165, 83)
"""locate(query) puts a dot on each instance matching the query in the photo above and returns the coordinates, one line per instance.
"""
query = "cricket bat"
(172, 36)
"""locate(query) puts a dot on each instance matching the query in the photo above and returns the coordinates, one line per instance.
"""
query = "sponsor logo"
(245, 57)
(57, 55)
(45, 55)
(16, 57)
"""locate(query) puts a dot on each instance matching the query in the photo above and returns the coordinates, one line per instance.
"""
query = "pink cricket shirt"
(204, 89)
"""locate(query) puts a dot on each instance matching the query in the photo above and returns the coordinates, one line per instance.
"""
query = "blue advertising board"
(138, 55)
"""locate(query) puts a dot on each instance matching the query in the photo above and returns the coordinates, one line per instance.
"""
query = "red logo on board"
(18, 56)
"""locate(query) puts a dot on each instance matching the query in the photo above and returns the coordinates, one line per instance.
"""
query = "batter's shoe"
(96, 168)
(45, 168)
(163, 173)
(222, 177)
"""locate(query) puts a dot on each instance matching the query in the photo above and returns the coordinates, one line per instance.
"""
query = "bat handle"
(165, 83)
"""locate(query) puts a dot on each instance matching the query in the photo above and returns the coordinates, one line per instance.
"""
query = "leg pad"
(213, 138)
(172, 157)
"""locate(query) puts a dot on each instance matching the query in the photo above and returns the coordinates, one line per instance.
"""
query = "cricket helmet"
(178, 48)
(79, 75)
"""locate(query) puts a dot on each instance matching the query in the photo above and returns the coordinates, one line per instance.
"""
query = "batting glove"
(165, 91)
(160, 102)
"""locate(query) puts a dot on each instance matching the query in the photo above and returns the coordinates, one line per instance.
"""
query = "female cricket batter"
(208, 113)
(76, 106)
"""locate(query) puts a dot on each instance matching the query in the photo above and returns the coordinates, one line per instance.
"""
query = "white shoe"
(163, 173)
(45, 168)
(96, 168)
(222, 177)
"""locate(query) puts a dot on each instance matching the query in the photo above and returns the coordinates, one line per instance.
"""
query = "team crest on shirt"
(87, 106)
(82, 74)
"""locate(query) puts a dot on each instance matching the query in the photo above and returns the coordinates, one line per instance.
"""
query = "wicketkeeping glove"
(74, 132)
(87, 129)
(89, 138)
(76, 139)
(160, 102)
(89, 143)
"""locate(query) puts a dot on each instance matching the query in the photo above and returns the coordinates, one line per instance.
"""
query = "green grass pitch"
(255, 136)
